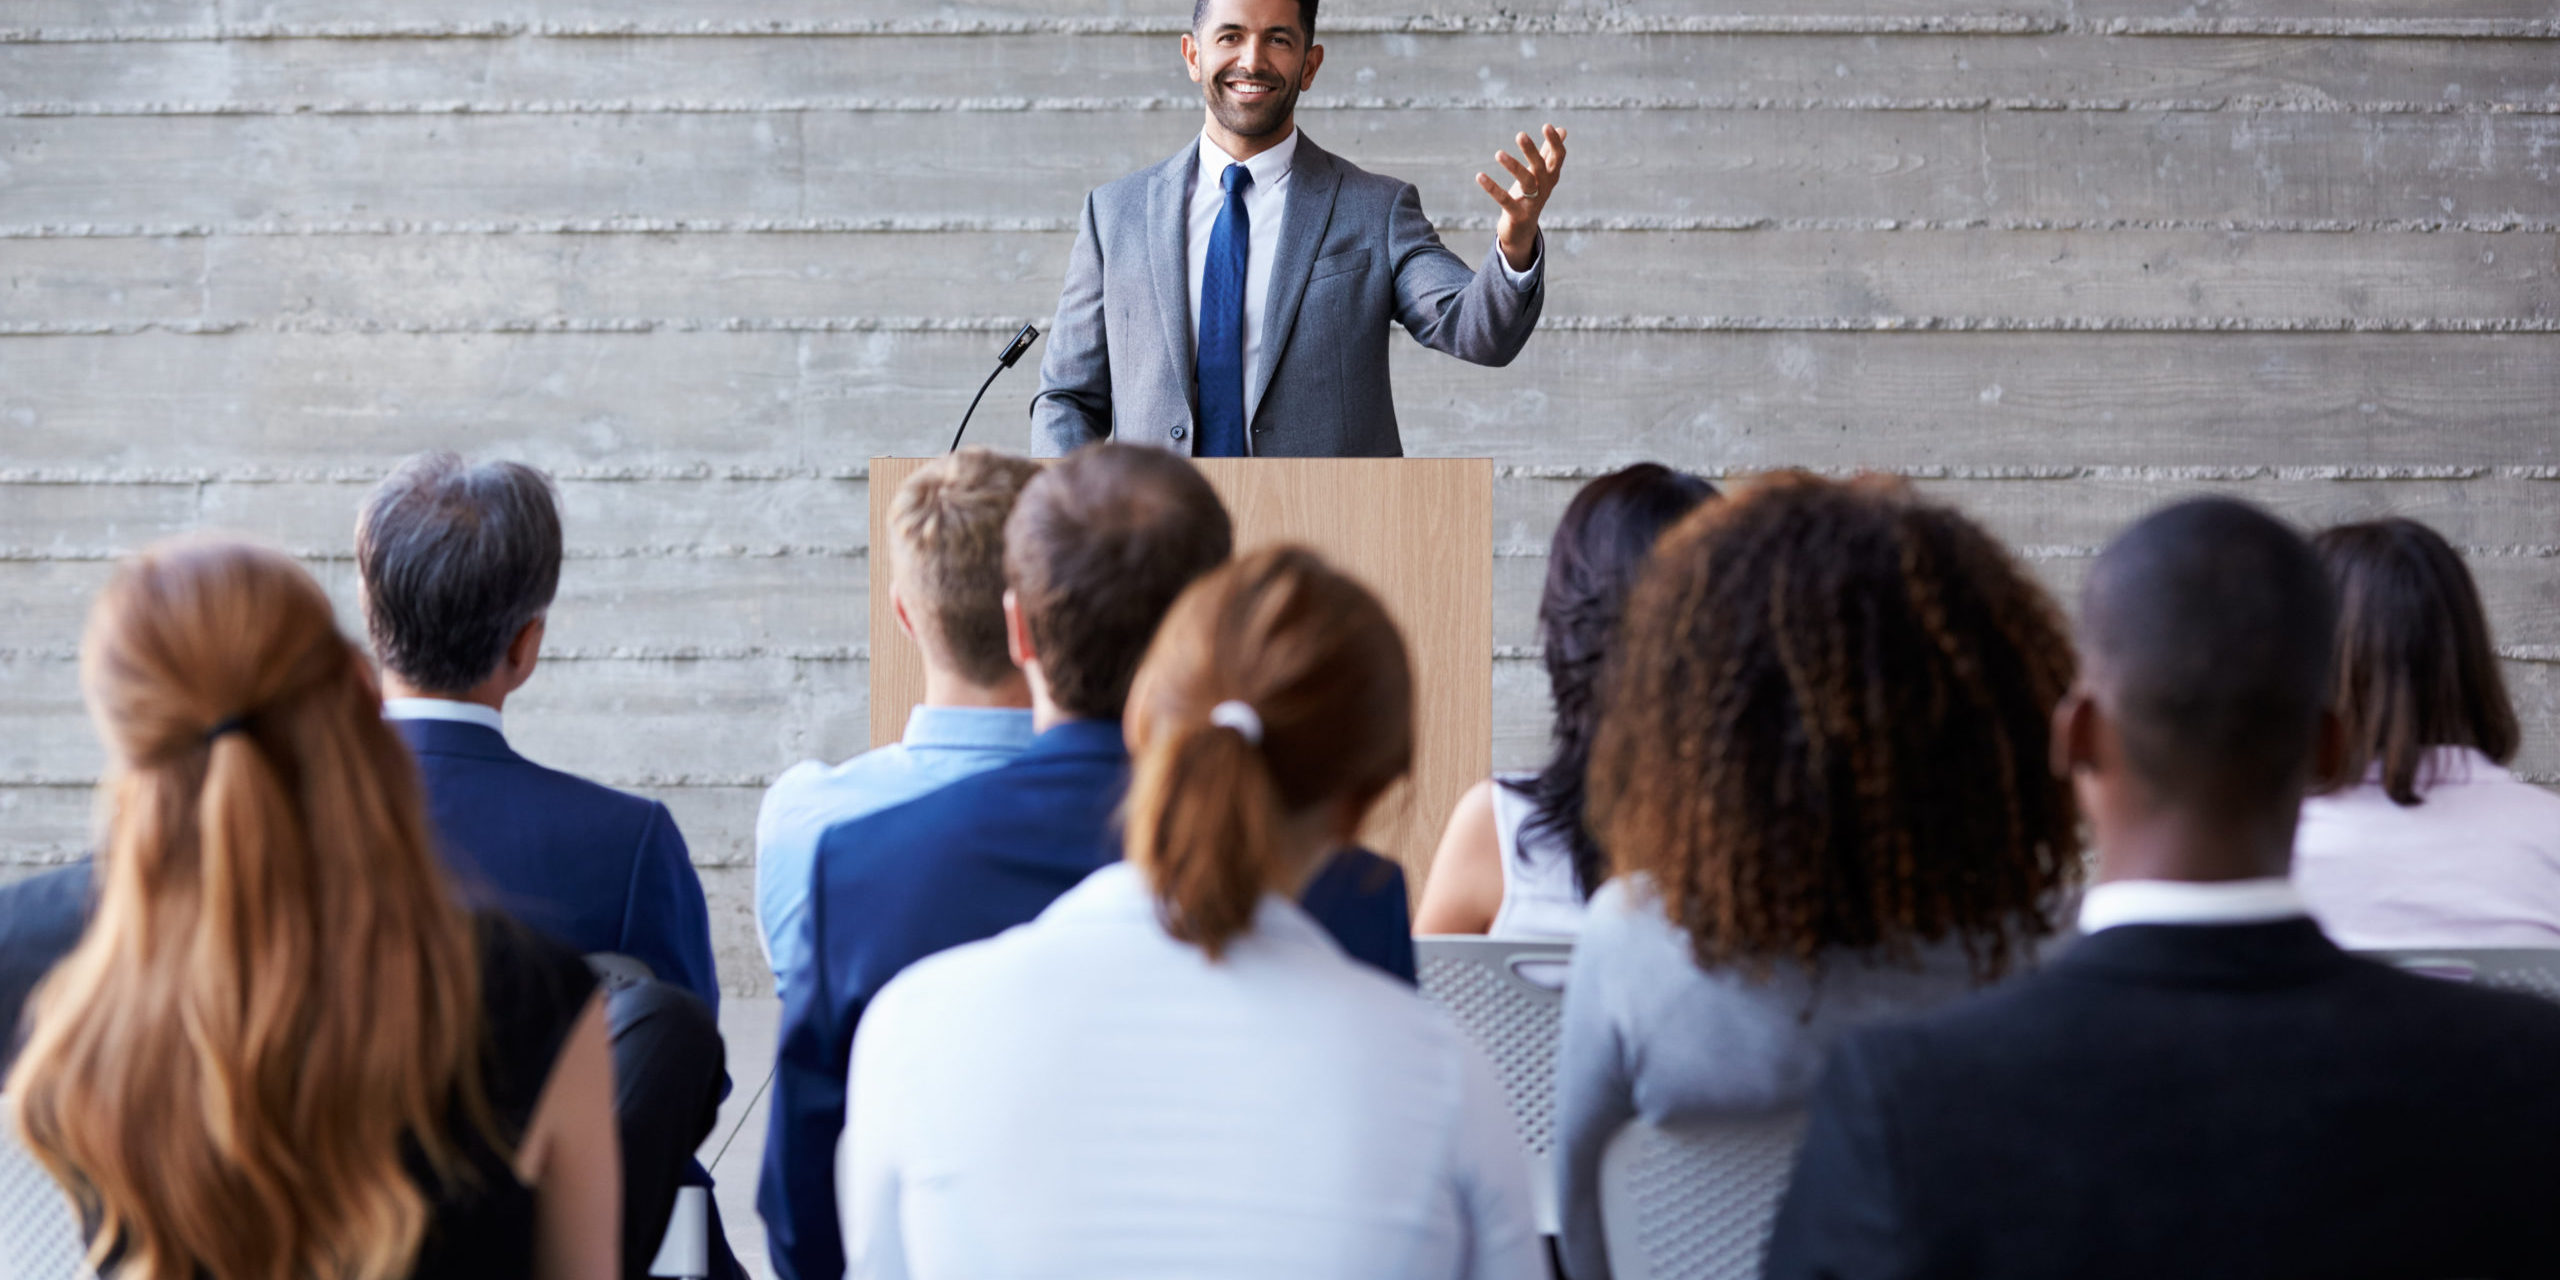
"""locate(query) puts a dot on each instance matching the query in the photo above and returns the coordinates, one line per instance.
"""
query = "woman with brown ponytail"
(1174, 1070)
(281, 1051)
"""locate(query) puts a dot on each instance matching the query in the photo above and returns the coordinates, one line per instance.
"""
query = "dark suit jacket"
(595, 868)
(2190, 1101)
(41, 919)
(960, 864)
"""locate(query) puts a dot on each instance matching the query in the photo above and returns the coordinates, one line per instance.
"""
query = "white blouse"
(1086, 1096)
(1539, 900)
(2476, 863)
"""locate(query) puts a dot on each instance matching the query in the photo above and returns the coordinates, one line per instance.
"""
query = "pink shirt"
(2475, 864)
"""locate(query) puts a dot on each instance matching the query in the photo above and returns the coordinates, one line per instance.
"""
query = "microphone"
(1004, 360)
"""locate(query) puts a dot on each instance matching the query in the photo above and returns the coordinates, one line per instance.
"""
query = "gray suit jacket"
(1355, 253)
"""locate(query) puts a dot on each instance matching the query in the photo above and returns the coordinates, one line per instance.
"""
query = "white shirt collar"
(2189, 902)
(1267, 168)
(443, 709)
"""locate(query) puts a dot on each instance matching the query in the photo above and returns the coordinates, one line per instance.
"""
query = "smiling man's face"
(1251, 59)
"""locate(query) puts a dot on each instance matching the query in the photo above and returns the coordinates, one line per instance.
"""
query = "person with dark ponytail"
(2420, 837)
(1175, 1070)
(1517, 860)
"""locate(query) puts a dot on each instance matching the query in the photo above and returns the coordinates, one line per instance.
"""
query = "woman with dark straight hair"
(1517, 860)
(1175, 1070)
(1822, 776)
(2421, 838)
(282, 1050)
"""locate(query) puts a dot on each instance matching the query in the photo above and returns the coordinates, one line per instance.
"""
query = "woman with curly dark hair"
(1821, 775)
(1517, 859)
(2421, 837)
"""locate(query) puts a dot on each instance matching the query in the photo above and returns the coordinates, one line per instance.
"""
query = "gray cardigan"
(1648, 1033)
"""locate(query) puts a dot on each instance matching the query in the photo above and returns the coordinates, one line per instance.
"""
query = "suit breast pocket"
(1344, 263)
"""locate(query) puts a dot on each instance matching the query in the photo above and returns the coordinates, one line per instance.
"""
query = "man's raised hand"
(1534, 178)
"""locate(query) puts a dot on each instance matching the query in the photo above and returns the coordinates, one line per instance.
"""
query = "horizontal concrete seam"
(684, 472)
(2360, 473)
(960, 225)
(367, 475)
(660, 551)
(1147, 103)
(1995, 24)
(644, 325)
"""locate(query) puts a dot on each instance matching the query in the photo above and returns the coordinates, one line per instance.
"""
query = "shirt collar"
(2189, 902)
(1267, 168)
(968, 728)
(443, 709)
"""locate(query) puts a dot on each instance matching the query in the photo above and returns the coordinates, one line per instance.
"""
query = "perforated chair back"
(1695, 1201)
(1508, 997)
(2532, 970)
(39, 1234)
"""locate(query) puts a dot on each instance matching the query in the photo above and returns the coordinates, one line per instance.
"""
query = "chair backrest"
(1695, 1201)
(1508, 996)
(39, 1234)
(2532, 970)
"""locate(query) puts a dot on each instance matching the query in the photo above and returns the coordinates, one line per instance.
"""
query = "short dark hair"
(2209, 628)
(457, 557)
(1306, 16)
(1599, 547)
(1098, 547)
(2416, 668)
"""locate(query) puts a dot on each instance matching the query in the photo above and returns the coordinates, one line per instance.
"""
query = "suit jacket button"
(1180, 432)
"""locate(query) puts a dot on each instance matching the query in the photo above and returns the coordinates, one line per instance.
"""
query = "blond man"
(946, 559)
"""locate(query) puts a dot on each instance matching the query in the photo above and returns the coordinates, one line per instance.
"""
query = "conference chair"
(1695, 1201)
(2532, 970)
(684, 1253)
(39, 1235)
(1509, 997)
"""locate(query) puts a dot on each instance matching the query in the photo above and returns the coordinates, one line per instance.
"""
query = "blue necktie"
(1221, 367)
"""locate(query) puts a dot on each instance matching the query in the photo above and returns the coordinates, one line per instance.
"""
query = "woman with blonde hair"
(1175, 1070)
(282, 1050)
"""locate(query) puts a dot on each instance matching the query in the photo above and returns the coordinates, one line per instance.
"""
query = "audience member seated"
(1173, 1070)
(1821, 771)
(284, 1047)
(459, 563)
(2203, 1085)
(946, 588)
(2423, 839)
(1096, 550)
(1517, 860)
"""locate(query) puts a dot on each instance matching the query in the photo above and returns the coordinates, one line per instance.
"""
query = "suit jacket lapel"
(1312, 183)
(1169, 225)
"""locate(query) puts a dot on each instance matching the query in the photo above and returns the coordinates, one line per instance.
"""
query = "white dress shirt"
(1085, 1096)
(2259, 901)
(2476, 863)
(444, 709)
(1266, 208)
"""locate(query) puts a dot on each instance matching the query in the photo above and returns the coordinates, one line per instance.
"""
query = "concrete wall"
(2061, 259)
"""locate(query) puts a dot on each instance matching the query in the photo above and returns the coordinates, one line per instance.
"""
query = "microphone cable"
(1004, 360)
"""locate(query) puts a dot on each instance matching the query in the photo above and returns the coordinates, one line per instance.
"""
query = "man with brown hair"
(946, 586)
(1096, 550)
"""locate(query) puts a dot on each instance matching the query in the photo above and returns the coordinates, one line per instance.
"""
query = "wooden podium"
(1419, 532)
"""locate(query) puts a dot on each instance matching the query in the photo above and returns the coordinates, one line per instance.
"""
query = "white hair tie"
(1239, 717)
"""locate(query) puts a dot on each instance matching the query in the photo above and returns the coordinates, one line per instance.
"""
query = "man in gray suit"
(1234, 299)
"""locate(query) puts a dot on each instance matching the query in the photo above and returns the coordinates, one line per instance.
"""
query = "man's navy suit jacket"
(955, 866)
(595, 868)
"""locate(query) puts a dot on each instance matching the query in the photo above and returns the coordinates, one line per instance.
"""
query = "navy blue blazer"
(41, 920)
(957, 865)
(597, 869)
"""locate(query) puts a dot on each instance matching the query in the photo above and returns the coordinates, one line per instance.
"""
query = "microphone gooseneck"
(1004, 360)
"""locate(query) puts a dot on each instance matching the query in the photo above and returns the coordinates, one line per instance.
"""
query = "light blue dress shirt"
(942, 745)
